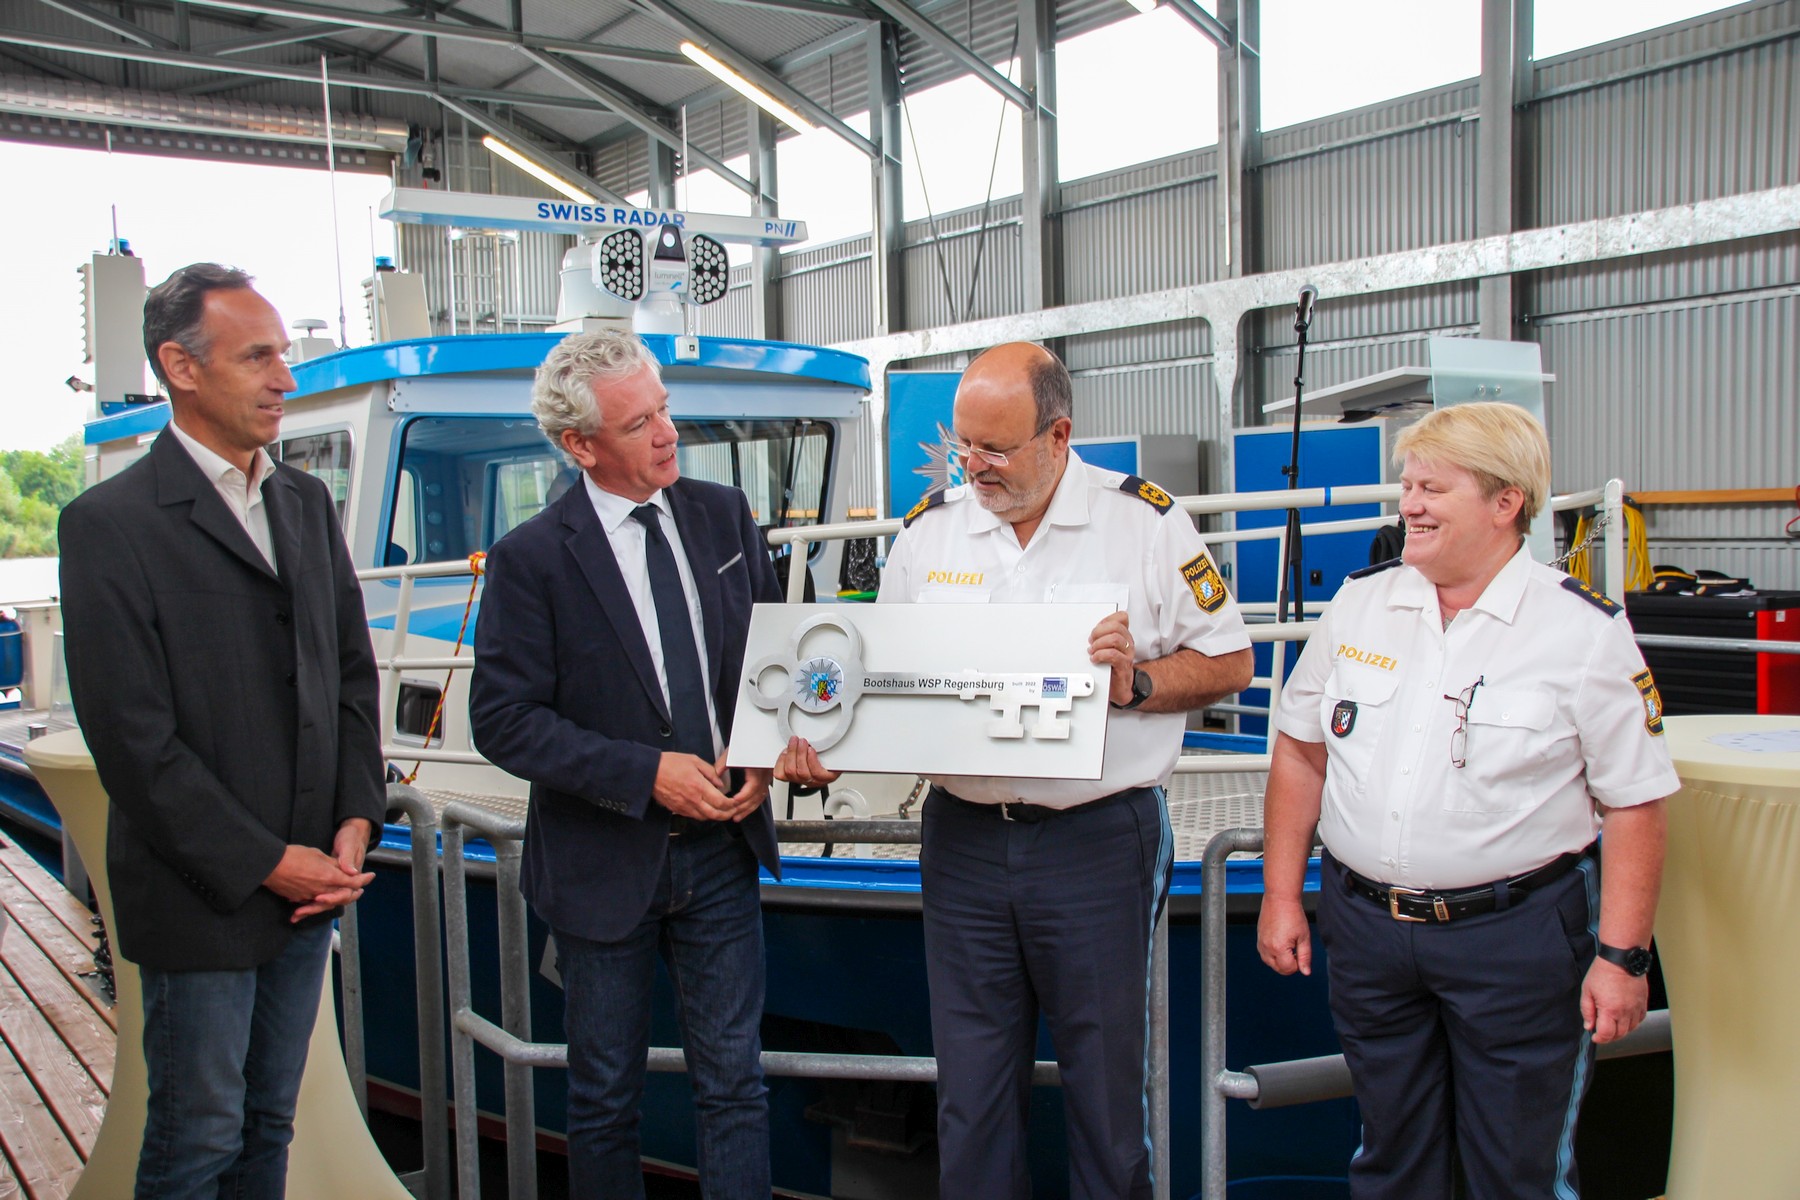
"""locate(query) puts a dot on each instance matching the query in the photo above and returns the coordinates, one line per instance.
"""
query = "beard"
(1016, 496)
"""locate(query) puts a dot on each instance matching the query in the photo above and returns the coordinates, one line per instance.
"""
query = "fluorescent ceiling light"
(536, 171)
(746, 89)
(1143, 6)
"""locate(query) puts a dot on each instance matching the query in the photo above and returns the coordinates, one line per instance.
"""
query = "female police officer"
(1460, 725)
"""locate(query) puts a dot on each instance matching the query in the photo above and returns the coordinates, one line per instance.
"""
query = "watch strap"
(1633, 960)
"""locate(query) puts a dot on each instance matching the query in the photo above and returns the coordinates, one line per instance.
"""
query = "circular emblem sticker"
(817, 683)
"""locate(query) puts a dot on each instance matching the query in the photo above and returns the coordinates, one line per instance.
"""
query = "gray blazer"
(230, 709)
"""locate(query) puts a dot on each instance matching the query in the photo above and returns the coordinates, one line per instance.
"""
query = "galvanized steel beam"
(1216, 30)
(602, 90)
(462, 32)
(1223, 303)
(1040, 249)
(125, 29)
(977, 66)
(256, 70)
(1505, 43)
(887, 268)
(503, 132)
(765, 261)
(753, 70)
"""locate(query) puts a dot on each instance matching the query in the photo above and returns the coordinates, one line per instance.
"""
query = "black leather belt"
(1419, 904)
(689, 827)
(1014, 810)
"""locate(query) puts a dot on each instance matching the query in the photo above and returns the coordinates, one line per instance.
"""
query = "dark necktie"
(681, 661)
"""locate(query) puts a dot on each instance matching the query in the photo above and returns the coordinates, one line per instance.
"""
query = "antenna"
(337, 247)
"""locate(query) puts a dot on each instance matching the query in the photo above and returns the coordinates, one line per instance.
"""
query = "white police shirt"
(1096, 544)
(1564, 713)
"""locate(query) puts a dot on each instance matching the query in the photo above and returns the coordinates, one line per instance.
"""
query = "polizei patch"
(1343, 718)
(1203, 580)
(1653, 705)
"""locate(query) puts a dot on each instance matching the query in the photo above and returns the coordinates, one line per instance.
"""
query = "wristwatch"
(1635, 961)
(1141, 687)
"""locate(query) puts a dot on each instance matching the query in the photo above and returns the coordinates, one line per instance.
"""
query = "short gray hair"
(175, 310)
(562, 396)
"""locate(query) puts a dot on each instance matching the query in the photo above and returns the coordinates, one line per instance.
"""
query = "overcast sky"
(1140, 89)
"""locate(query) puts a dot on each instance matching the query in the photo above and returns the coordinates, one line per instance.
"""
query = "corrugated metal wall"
(1675, 371)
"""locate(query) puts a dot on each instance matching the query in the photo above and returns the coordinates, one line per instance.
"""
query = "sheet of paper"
(1761, 741)
(948, 689)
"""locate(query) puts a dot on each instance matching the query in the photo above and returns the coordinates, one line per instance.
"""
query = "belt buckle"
(1394, 894)
(1005, 812)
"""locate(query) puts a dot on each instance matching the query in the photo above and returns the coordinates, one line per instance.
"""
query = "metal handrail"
(1299, 1080)
(511, 1038)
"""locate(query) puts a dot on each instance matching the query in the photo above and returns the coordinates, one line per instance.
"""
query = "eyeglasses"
(1459, 737)
(996, 458)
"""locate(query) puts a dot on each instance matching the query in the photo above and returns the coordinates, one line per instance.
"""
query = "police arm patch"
(1653, 705)
(1203, 580)
(1148, 492)
(927, 502)
(1590, 595)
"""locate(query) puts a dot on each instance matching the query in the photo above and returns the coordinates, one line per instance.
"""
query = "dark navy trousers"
(1467, 1035)
(1055, 917)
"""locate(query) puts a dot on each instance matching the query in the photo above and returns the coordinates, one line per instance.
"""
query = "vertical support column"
(1506, 37)
(1041, 249)
(765, 261)
(1240, 139)
(886, 270)
(662, 173)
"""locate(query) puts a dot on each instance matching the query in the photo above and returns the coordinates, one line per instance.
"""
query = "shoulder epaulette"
(1148, 492)
(1377, 569)
(927, 502)
(1590, 595)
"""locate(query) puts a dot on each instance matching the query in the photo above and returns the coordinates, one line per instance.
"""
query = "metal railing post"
(1613, 538)
(349, 950)
(462, 1045)
(797, 568)
(1158, 1084)
(1212, 1000)
(515, 1018)
(428, 966)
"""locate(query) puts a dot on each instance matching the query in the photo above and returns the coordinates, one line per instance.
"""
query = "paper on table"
(1762, 741)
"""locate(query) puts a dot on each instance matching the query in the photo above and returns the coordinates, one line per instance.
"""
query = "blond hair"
(1500, 444)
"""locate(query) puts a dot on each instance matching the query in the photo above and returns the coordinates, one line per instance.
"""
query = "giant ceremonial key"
(821, 683)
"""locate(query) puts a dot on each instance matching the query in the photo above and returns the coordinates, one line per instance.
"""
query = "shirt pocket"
(1356, 704)
(1507, 739)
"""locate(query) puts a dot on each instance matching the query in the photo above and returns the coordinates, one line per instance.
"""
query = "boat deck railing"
(1267, 1085)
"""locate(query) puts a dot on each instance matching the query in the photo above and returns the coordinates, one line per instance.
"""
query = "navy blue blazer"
(565, 696)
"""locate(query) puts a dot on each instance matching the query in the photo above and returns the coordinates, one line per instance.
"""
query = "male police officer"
(1041, 895)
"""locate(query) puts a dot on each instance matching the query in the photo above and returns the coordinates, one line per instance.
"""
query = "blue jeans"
(705, 919)
(225, 1051)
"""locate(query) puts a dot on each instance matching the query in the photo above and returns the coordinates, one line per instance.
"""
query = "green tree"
(54, 478)
(34, 486)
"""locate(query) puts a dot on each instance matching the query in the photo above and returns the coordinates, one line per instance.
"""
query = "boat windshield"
(464, 482)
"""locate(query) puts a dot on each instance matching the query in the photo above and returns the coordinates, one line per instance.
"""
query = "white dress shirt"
(242, 495)
(629, 547)
(1566, 715)
(1096, 544)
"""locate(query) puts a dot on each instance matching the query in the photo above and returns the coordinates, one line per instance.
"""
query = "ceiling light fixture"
(535, 170)
(746, 89)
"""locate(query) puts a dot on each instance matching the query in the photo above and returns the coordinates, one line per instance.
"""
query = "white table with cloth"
(1728, 934)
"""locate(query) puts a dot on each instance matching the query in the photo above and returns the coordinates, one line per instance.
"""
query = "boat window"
(780, 465)
(325, 456)
(464, 482)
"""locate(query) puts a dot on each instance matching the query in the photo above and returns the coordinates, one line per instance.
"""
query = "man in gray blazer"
(221, 669)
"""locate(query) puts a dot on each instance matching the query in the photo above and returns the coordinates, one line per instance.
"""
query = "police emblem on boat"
(1343, 718)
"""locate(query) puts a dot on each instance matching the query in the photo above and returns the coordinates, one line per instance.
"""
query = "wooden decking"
(56, 1063)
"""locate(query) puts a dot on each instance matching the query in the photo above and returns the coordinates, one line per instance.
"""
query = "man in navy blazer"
(607, 657)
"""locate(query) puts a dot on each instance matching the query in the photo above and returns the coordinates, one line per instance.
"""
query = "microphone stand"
(1293, 585)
